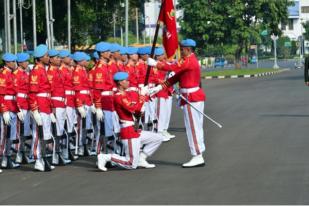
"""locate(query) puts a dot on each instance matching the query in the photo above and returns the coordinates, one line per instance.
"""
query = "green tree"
(231, 21)
(306, 27)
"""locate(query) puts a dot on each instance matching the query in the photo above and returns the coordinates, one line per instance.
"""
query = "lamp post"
(275, 38)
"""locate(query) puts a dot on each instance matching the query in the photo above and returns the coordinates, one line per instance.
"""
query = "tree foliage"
(91, 20)
(231, 21)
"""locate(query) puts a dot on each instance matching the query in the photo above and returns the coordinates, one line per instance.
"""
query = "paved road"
(261, 156)
(286, 63)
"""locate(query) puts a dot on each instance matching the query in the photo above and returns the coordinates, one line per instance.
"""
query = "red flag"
(167, 17)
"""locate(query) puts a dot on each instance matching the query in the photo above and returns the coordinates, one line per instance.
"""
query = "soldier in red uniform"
(56, 80)
(150, 118)
(188, 75)
(138, 145)
(103, 93)
(67, 73)
(123, 59)
(83, 100)
(21, 83)
(41, 108)
(162, 97)
(130, 68)
(9, 110)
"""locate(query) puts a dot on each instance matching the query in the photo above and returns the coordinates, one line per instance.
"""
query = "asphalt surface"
(282, 63)
(260, 156)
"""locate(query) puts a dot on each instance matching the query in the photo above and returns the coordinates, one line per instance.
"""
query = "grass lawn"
(237, 72)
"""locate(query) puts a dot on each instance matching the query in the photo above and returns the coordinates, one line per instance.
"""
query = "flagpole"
(154, 42)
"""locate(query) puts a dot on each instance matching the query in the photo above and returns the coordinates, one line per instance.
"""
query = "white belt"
(107, 93)
(84, 92)
(22, 95)
(43, 95)
(189, 90)
(115, 89)
(135, 89)
(60, 99)
(69, 92)
(151, 85)
(141, 85)
(126, 123)
(9, 97)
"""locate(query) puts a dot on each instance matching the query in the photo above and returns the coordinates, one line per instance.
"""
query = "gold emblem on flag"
(171, 14)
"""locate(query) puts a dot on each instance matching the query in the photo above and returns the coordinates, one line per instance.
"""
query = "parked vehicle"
(219, 62)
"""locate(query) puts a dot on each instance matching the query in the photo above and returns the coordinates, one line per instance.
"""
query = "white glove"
(144, 90)
(37, 117)
(82, 111)
(52, 118)
(100, 114)
(7, 118)
(93, 109)
(20, 116)
(155, 90)
(151, 62)
(171, 74)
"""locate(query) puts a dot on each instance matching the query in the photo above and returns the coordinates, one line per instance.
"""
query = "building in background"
(152, 9)
(293, 28)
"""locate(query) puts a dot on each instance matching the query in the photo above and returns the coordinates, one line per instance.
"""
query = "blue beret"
(79, 56)
(40, 51)
(159, 51)
(8, 57)
(53, 53)
(123, 50)
(119, 76)
(30, 52)
(115, 48)
(88, 58)
(148, 50)
(142, 50)
(102, 47)
(64, 53)
(132, 50)
(95, 55)
(188, 43)
(22, 57)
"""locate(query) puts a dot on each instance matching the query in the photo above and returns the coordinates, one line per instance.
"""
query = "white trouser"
(162, 109)
(60, 117)
(194, 127)
(168, 112)
(27, 122)
(83, 140)
(150, 110)
(108, 123)
(116, 122)
(36, 146)
(71, 118)
(27, 130)
(149, 141)
(6, 143)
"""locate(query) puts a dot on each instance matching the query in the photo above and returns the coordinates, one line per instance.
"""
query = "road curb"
(246, 76)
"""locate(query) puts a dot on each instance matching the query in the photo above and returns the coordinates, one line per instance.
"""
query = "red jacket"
(8, 89)
(81, 86)
(67, 74)
(39, 87)
(103, 86)
(161, 77)
(125, 109)
(188, 74)
(21, 83)
(56, 80)
(141, 71)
